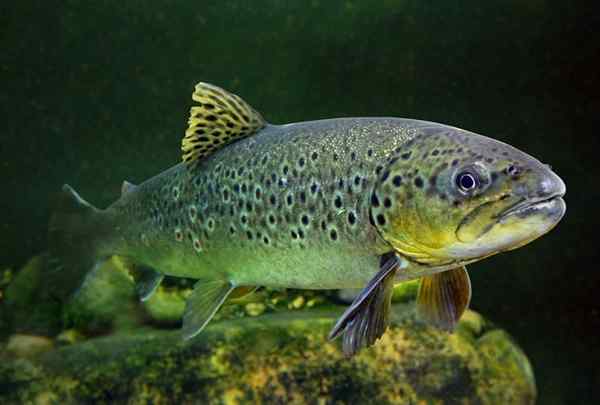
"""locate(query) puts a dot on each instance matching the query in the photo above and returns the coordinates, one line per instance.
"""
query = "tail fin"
(75, 230)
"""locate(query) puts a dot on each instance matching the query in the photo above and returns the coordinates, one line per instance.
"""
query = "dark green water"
(97, 92)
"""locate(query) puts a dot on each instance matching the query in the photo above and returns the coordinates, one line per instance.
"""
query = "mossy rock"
(280, 357)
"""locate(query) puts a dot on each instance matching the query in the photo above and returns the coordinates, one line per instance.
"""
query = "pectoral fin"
(444, 297)
(368, 317)
(202, 304)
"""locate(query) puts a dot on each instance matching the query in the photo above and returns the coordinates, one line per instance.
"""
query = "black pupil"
(466, 181)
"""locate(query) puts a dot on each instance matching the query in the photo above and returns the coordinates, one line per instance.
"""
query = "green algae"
(281, 357)
(267, 346)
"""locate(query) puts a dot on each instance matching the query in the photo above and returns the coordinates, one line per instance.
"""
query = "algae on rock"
(269, 346)
(283, 358)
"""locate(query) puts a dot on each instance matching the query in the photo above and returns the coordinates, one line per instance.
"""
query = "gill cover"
(443, 197)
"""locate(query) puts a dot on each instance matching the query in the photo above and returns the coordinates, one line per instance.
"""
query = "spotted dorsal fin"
(219, 119)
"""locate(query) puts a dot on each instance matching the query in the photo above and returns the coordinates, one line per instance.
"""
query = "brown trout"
(338, 203)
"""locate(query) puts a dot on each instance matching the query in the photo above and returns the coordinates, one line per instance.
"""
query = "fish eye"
(466, 181)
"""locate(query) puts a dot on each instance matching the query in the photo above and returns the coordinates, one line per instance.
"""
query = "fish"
(362, 203)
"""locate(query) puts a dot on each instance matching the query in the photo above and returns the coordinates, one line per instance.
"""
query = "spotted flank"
(331, 204)
(219, 119)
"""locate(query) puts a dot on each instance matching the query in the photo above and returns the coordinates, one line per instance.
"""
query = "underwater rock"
(25, 307)
(27, 345)
(280, 357)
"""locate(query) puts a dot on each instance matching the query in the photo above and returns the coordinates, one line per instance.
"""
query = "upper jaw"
(525, 205)
(548, 188)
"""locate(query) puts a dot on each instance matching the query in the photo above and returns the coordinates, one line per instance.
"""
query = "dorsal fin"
(220, 119)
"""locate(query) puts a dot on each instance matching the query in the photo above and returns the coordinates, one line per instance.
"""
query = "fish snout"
(541, 183)
(551, 185)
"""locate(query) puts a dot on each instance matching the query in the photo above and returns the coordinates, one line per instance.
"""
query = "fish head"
(450, 196)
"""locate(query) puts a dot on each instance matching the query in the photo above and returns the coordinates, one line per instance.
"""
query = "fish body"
(287, 207)
(338, 203)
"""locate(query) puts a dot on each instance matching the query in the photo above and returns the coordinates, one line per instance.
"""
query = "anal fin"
(202, 304)
(368, 317)
(444, 297)
(147, 282)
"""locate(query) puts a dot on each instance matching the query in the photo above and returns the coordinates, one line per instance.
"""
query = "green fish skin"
(317, 205)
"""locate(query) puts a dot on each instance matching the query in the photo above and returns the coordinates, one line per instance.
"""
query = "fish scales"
(292, 196)
(339, 203)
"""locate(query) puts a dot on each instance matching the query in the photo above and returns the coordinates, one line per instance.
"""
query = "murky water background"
(95, 93)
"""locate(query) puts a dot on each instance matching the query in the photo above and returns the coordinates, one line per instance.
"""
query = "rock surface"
(279, 358)
(103, 346)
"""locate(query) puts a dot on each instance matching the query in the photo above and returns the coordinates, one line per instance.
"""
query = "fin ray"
(444, 297)
(147, 282)
(206, 298)
(368, 317)
(220, 119)
(74, 230)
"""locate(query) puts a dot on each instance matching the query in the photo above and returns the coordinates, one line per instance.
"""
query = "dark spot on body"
(338, 201)
(397, 180)
(387, 203)
(305, 220)
(419, 182)
(380, 219)
(406, 155)
(333, 234)
(374, 200)
(351, 218)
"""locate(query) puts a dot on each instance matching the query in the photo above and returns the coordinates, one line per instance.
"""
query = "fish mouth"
(488, 230)
(537, 205)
